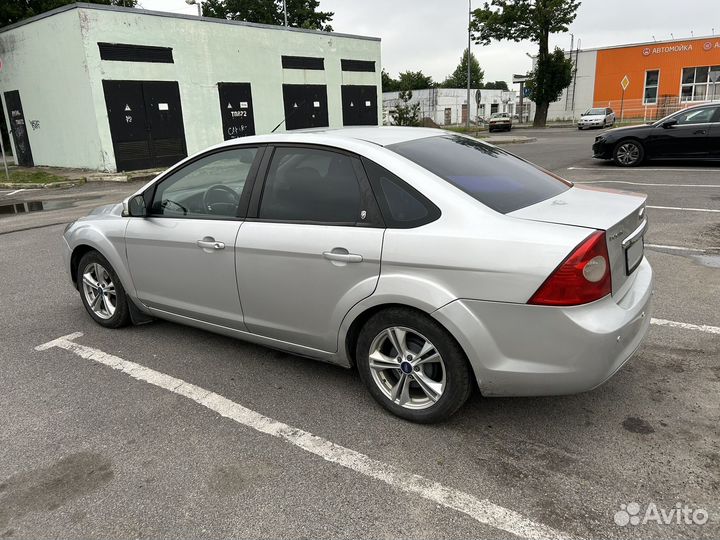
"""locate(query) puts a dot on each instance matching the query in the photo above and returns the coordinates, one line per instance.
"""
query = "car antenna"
(295, 109)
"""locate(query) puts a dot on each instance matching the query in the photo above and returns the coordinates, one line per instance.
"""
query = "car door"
(714, 136)
(310, 247)
(182, 255)
(688, 138)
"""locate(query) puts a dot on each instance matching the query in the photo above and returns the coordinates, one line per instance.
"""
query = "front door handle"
(700, 132)
(342, 256)
(210, 243)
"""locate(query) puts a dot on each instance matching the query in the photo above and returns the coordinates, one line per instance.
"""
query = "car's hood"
(115, 209)
(500, 119)
(642, 127)
(593, 117)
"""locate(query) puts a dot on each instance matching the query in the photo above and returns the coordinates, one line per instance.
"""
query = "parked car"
(431, 262)
(693, 133)
(500, 122)
(597, 117)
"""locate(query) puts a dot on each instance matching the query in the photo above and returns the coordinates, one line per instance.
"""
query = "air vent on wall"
(302, 62)
(123, 52)
(358, 65)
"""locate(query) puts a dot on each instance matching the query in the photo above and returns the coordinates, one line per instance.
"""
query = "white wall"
(583, 89)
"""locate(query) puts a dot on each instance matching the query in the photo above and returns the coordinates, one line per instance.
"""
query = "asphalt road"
(89, 451)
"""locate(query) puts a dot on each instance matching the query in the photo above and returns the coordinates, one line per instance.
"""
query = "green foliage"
(497, 85)
(550, 77)
(533, 20)
(301, 13)
(12, 11)
(408, 80)
(406, 114)
(458, 79)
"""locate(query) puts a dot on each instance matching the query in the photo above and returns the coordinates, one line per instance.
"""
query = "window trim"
(656, 86)
(373, 217)
(149, 193)
(433, 211)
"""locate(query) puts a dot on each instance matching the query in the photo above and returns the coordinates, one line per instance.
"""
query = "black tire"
(579, 128)
(458, 374)
(121, 315)
(628, 153)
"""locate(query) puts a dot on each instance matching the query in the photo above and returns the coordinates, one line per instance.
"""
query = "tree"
(301, 13)
(388, 83)
(458, 79)
(497, 85)
(13, 11)
(414, 80)
(534, 20)
(406, 114)
(547, 80)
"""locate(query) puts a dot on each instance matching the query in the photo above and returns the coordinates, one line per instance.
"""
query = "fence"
(636, 109)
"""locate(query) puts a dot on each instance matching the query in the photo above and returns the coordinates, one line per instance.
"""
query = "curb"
(513, 140)
(51, 185)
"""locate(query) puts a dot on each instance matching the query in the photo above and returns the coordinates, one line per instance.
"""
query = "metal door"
(18, 128)
(359, 105)
(236, 109)
(305, 105)
(146, 123)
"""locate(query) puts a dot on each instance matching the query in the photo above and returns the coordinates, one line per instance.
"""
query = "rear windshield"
(494, 177)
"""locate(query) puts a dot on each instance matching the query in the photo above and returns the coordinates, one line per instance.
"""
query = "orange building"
(657, 77)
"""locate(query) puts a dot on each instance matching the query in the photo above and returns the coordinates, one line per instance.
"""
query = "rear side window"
(494, 177)
(306, 184)
(401, 205)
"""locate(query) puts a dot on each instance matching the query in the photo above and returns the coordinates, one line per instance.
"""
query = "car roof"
(378, 135)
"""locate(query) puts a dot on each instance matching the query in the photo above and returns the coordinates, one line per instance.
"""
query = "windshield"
(501, 115)
(492, 176)
(593, 112)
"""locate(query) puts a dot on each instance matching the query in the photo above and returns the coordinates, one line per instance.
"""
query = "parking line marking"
(687, 326)
(645, 183)
(12, 192)
(683, 208)
(480, 510)
(635, 169)
(676, 248)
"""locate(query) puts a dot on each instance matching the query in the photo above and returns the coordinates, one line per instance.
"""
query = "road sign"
(625, 83)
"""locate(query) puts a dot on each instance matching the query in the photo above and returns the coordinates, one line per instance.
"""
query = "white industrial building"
(109, 88)
(448, 106)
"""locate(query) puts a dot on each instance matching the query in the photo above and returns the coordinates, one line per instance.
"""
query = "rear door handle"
(210, 243)
(342, 257)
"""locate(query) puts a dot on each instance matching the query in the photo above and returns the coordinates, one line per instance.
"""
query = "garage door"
(305, 105)
(359, 105)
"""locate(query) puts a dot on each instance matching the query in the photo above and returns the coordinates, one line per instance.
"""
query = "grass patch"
(31, 177)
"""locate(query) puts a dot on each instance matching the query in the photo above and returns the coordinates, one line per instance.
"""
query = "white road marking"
(646, 183)
(480, 510)
(12, 192)
(677, 248)
(687, 326)
(683, 208)
(634, 169)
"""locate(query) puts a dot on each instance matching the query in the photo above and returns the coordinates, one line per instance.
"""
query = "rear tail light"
(581, 278)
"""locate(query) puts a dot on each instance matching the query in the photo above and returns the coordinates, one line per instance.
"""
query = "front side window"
(652, 79)
(207, 188)
(308, 184)
(492, 176)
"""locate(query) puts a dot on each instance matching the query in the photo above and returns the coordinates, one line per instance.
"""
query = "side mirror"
(136, 206)
(667, 124)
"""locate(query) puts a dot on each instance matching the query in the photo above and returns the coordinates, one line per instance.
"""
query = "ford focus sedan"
(432, 263)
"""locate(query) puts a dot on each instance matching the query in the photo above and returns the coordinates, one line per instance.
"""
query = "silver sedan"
(432, 263)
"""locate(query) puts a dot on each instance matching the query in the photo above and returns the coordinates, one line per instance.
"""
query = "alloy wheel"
(407, 368)
(99, 290)
(628, 153)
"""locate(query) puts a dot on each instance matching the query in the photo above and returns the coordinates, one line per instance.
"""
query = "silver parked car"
(599, 117)
(431, 262)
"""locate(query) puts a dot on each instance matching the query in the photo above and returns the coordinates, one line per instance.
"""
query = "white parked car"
(598, 117)
(500, 121)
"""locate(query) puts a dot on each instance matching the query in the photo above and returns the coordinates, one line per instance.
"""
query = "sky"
(431, 35)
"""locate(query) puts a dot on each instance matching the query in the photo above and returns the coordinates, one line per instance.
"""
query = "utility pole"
(285, 11)
(467, 120)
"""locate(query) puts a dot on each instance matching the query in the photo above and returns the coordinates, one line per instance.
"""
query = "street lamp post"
(467, 119)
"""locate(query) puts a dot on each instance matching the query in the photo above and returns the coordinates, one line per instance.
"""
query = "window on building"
(700, 83)
(652, 79)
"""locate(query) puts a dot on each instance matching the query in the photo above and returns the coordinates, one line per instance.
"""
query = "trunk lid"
(620, 214)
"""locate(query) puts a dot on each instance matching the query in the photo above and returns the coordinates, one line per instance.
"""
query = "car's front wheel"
(412, 366)
(628, 153)
(101, 291)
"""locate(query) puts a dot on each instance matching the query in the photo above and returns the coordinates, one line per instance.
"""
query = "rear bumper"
(525, 350)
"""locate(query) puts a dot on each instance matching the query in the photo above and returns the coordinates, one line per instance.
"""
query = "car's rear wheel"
(628, 153)
(101, 291)
(412, 366)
